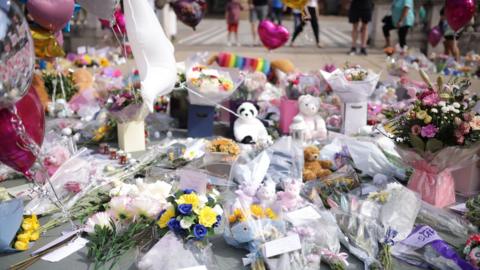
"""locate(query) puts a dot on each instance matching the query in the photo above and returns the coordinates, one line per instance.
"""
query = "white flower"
(434, 110)
(145, 207)
(203, 200)
(456, 105)
(158, 191)
(185, 223)
(456, 111)
(442, 103)
(101, 219)
(444, 109)
(124, 190)
(121, 207)
(218, 209)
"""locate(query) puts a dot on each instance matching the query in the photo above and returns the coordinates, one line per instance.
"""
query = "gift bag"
(288, 110)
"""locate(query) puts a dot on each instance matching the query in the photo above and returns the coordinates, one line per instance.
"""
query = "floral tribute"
(191, 215)
(209, 80)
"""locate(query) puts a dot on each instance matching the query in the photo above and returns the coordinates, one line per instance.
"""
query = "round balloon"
(16, 54)
(435, 36)
(459, 12)
(272, 35)
(13, 150)
(190, 12)
(52, 15)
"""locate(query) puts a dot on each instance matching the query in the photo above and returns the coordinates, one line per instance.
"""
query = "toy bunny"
(266, 193)
(290, 198)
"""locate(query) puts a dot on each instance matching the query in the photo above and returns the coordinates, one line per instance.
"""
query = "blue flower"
(174, 225)
(185, 209)
(219, 218)
(199, 231)
(188, 191)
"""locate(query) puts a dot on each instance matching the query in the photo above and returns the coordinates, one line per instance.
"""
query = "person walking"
(403, 19)
(232, 15)
(258, 12)
(312, 9)
(360, 14)
(276, 12)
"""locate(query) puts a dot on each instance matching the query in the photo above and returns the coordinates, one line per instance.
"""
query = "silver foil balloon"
(17, 58)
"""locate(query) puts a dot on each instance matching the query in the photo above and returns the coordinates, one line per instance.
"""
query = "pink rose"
(465, 128)
(416, 130)
(72, 187)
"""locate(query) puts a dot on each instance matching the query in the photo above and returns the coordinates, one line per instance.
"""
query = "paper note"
(302, 216)
(65, 251)
(57, 241)
(460, 208)
(282, 245)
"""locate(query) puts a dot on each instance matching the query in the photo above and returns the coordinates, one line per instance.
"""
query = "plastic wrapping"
(351, 91)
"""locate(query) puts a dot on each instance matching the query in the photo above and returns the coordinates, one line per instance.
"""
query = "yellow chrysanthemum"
(19, 245)
(24, 237)
(257, 211)
(104, 62)
(207, 217)
(35, 235)
(421, 115)
(270, 214)
(191, 198)
(232, 219)
(165, 217)
(427, 119)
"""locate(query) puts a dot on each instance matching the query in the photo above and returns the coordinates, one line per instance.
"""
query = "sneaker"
(353, 51)
(363, 51)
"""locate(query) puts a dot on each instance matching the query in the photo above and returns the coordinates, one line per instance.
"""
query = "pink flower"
(73, 187)
(416, 130)
(429, 131)
(460, 140)
(475, 122)
(431, 99)
(55, 158)
(467, 117)
(465, 128)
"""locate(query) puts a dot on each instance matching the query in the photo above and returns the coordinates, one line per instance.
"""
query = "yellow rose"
(19, 245)
(427, 119)
(421, 115)
(35, 235)
(165, 217)
(191, 198)
(27, 224)
(207, 217)
(270, 214)
(104, 62)
(24, 237)
(257, 211)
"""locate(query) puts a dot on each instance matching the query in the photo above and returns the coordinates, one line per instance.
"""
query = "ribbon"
(332, 256)
(389, 236)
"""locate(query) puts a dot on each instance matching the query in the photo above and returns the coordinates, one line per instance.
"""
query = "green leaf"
(417, 143)
(433, 145)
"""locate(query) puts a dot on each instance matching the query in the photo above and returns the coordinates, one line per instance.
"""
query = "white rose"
(444, 109)
(203, 200)
(218, 210)
(456, 105)
(456, 111)
(442, 103)
(434, 110)
(185, 224)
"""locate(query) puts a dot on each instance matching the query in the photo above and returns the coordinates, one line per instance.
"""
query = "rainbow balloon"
(230, 60)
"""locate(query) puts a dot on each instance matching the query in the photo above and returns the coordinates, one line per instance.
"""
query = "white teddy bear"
(309, 107)
(248, 128)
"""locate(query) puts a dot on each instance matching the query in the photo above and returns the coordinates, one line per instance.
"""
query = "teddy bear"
(290, 198)
(308, 107)
(314, 168)
(248, 129)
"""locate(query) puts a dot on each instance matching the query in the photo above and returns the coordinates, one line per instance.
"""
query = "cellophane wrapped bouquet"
(187, 222)
(353, 83)
(440, 124)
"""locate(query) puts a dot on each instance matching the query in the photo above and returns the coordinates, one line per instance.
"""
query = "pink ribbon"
(332, 256)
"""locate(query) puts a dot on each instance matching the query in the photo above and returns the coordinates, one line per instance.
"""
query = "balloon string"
(35, 150)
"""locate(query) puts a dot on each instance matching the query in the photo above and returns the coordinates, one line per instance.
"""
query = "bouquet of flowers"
(221, 150)
(126, 105)
(472, 247)
(298, 84)
(352, 84)
(439, 125)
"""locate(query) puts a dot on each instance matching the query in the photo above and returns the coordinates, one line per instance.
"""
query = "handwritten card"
(65, 251)
(282, 245)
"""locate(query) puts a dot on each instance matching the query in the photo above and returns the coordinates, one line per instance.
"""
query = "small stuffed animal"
(290, 198)
(248, 128)
(314, 168)
(266, 193)
(309, 107)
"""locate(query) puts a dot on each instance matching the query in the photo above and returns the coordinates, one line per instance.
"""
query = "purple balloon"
(52, 15)
(190, 12)
(459, 12)
(272, 35)
(12, 150)
(435, 36)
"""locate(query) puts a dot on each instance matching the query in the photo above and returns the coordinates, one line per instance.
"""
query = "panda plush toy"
(248, 129)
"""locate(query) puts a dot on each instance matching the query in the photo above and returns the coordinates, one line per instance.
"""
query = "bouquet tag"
(422, 237)
(198, 267)
(282, 245)
(57, 241)
(302, 216)
(65, 251)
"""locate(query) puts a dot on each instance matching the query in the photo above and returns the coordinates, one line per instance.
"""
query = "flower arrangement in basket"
(437, 135)
(221, 150)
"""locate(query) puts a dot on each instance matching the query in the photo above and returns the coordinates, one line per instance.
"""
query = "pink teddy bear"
(290, 198)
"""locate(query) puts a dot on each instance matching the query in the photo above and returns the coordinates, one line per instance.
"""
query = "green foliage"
(53, 83)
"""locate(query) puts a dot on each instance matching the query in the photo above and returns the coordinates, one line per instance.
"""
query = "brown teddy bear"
(313, 168)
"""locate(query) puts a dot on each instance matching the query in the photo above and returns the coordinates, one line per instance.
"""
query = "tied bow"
(428, 172)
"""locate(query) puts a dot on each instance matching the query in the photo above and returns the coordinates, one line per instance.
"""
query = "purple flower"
(429, 131)
(416, 129)
(185, 209)
(431, 99)
(188, 191)
(199, 231)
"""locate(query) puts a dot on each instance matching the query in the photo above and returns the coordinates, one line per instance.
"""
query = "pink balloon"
(51, 14)
(272, 35)
(435, 36)
(12, 151)
(459, 12)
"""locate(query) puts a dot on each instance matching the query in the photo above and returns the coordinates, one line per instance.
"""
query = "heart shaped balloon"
(435, 36)
(272, 35)
(459, 12)
(13, 152)
(52, 15)
(190, 12)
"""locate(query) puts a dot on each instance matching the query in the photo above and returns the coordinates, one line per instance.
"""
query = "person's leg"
(387, 27)
(364, 37)
(298, 28)
(235, 32)
(354, 35)
(253, 28)
(455, 50)
(402, 36)
(314, 22)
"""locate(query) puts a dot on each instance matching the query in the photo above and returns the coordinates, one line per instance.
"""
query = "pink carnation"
(431, 99)
(429, 131)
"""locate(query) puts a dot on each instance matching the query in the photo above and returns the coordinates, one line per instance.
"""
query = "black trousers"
(313, 21)
(402, 31)
(402, 35)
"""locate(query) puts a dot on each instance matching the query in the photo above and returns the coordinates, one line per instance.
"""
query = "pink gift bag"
(467, 180)
(435, 188)
(288, 110)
